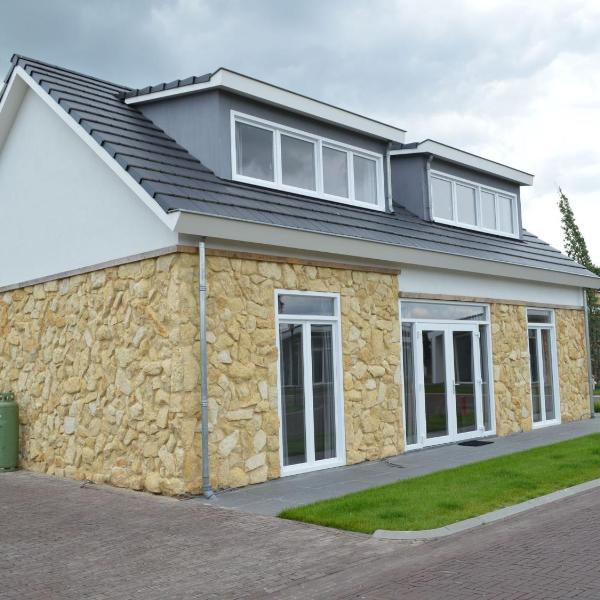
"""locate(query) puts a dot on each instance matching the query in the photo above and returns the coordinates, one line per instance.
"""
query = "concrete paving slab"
(272, 497)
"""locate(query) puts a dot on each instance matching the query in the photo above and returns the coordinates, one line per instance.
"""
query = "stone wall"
(244, 440)
(510, 358)
(512, 381)
(573, 364)
(105, 367)
(105, 370)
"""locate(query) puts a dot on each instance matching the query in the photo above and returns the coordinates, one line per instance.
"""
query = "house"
(355, 295)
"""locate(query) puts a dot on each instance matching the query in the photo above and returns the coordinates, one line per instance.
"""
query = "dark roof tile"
(178, 181)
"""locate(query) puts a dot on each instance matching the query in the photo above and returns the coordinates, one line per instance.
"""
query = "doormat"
(474, 443)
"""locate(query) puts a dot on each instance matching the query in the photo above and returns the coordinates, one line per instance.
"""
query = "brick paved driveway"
(61, 541)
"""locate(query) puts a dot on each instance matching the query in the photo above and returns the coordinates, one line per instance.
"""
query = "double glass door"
(449, 385)
(309, 396)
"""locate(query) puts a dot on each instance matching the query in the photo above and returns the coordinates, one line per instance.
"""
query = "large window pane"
(485, 377)
(410, 400)
(535, 376)
(323, 391)
(292, 394)
(465, 204)
(488, 210)
(301, 304)
(442, 198)
(505, 214)
(365, 180)
(548, 374)
(464, 381)
(298, 162)
(539, 315)
(439, 310)
(434, 373)
(335, 172)
(254, 151)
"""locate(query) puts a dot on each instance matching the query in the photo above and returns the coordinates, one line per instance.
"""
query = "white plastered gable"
(65, 204)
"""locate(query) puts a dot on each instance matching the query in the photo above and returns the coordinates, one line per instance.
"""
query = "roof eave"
(467, 159)
(227, 228)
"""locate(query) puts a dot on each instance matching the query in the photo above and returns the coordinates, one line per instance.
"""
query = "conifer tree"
(576, 248)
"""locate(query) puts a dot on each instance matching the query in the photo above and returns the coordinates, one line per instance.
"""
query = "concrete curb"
(491, 517)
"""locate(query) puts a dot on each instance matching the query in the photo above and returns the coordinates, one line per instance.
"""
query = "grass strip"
(452, 495)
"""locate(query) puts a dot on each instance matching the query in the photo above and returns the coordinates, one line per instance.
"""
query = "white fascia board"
(271, 94)
(220, 228)
(14, 92)
(18, 84)
(467, 159)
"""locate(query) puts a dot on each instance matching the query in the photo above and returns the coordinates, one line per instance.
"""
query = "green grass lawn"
(452, 495)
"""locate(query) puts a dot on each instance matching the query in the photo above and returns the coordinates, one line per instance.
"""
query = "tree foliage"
(576, 248)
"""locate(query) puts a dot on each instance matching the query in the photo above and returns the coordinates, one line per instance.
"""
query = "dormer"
(449, 186)
(250, 131)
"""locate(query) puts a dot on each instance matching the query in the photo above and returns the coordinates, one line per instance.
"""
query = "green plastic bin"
(9, 432)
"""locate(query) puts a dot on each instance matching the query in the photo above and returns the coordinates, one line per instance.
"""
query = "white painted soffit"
(18, 84)
(387, 255)
(276, 96)
(467, 159)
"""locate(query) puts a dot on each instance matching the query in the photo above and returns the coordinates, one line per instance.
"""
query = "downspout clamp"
(206, 489)
(588, 348)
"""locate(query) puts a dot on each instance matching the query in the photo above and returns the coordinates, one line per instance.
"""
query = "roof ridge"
(16, 57)
(166, 85)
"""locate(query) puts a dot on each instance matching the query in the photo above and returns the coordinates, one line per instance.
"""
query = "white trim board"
(467, 159)
(12, 103)
(276, 96)
(443, 283)
(286, 238)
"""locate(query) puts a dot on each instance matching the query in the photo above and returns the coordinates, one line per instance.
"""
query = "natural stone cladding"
(105, 370)
(510, 358)
(572, 364)
(244, 440)
(105, 367)
(512, 383)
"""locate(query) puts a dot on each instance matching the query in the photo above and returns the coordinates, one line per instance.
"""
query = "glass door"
(449, 377)
(543, 388)
(468, 410)
(434, 386)
(310, 397)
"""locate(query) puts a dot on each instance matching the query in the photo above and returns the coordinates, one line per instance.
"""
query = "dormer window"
(474, 206)
(272, 155)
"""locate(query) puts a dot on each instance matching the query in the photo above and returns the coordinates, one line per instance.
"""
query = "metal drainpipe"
(206, 489)
(588, 347)
(388, 165)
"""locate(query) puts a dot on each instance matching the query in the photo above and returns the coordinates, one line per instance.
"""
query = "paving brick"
(61, 541)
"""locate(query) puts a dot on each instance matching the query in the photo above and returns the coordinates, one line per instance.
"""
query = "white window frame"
(478, 189)
(277, 130)
(485, 322)
(306, 321)
(551, 327)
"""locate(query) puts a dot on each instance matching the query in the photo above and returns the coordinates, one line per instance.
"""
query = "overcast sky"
(511, 81)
